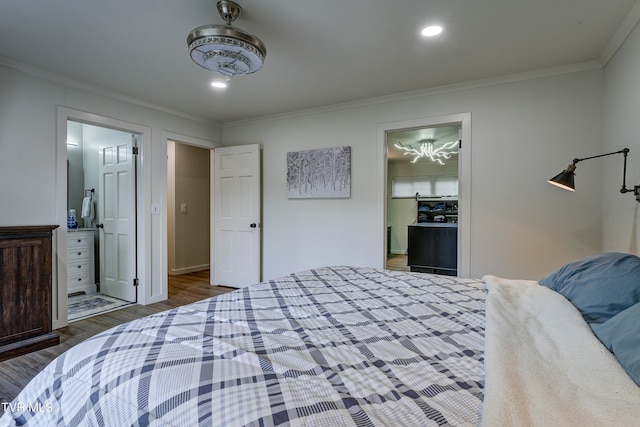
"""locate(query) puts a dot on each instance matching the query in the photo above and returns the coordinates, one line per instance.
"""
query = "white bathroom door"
(236, 216)
(117, 216)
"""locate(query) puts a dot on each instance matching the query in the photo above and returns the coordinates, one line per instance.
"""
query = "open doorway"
(188, 208)
(449, 185)
(213, 212)
(422, 182)
(141, 258)
(101, 227)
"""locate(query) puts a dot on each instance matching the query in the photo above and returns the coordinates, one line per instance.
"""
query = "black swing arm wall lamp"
(565, 179)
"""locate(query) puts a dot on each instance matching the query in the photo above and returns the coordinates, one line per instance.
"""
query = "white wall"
(28, 139)
(523, 132)
(28, 150)
(621, 129)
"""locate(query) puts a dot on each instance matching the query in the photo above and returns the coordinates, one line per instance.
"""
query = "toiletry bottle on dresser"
(71, 222)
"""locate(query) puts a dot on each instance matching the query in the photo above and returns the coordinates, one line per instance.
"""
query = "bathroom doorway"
(101, 228)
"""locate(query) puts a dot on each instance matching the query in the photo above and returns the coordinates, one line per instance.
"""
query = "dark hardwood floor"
(17, 372)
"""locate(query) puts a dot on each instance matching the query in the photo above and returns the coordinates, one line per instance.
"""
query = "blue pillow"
(621, 335)
(600, 286)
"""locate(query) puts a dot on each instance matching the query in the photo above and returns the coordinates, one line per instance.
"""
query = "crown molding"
(628, 24)
(475, 84)
(97, 90)
(456, 87)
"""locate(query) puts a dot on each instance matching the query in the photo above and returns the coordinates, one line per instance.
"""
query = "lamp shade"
(565, 179)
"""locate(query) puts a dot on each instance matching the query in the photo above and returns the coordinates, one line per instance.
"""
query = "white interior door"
(236, 216)
(116, 213)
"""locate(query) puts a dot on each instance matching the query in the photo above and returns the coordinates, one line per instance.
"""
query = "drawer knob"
(79, 240)
(80, 280)
(79, 266)
(79, 253)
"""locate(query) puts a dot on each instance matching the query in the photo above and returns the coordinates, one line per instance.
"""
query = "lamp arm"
(624, 151)
(623, 189)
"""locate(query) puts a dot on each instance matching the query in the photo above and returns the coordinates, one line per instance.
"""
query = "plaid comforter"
(339, 346)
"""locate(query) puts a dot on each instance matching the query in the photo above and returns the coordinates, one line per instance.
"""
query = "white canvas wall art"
(322, 173)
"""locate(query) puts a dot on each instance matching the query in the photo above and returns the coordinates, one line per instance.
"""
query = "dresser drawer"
(76, 281)
(76, 240)
(78, 254)
(80, 268)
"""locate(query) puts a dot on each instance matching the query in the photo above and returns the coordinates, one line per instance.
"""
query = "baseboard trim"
(91, 288)
(185, 270)
(398, 252)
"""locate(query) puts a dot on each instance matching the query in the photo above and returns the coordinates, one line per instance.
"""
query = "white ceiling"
(318, 52)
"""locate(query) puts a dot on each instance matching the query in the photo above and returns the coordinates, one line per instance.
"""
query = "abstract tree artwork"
(323, 173)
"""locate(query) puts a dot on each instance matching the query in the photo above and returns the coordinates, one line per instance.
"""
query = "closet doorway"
(422, 175)
(426, 185)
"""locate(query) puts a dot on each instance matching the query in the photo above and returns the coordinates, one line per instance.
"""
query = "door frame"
(143, 228)
(464, 180)
(172, 146)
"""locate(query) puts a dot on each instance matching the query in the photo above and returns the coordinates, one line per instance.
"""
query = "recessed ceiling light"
(219, 84)
(431, 31)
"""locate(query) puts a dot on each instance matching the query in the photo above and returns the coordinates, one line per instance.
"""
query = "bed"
(341, 346)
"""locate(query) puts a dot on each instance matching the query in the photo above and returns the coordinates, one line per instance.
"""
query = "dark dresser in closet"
(433, 248)
(25, 290)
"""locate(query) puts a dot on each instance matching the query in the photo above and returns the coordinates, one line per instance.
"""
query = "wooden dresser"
(25, 290)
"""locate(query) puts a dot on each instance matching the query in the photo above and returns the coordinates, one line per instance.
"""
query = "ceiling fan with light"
(225, 49)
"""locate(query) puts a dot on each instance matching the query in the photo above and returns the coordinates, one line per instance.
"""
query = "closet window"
(426, 186)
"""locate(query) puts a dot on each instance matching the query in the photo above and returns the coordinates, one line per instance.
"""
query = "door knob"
(254, 225)
(100, 225)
